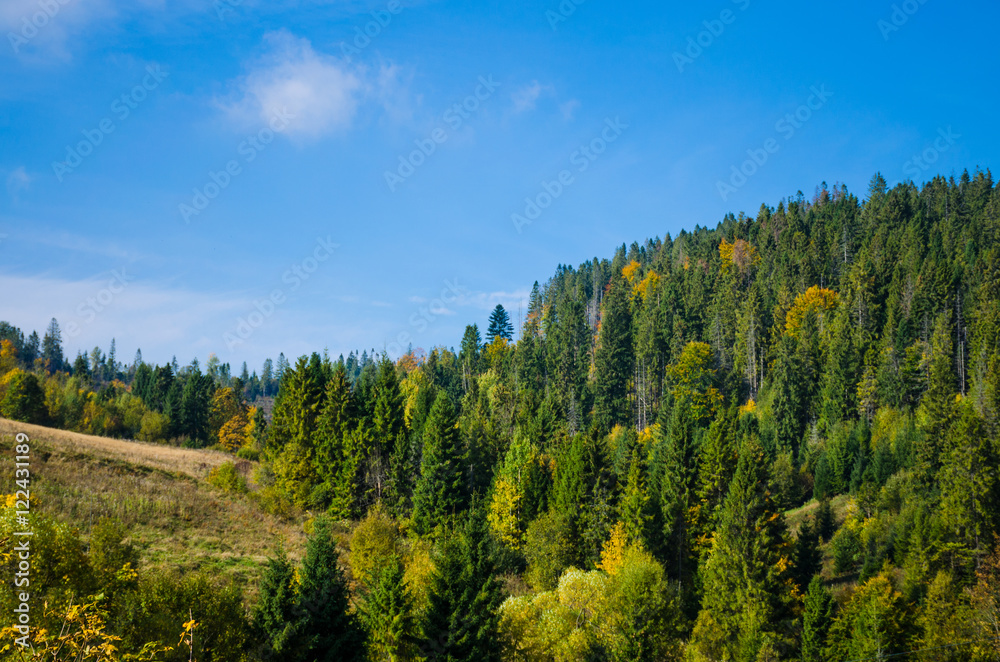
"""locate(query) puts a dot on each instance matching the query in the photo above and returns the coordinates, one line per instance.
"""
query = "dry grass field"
(178, 520)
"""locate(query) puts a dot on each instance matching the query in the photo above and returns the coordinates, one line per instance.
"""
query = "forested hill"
(772, 440)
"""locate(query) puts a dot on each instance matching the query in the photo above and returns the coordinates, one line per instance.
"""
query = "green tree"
(747, 584)
(872, 625)
(808, 558)
(326, 627)
(388, 616)
(816, 620)
(500, 325)
(52, 349)
(613, 358)
(440, 492)
(274, 615)
(462, 620)
(22, 397)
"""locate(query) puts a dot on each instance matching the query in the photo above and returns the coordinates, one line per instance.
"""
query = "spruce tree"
(747, 584)
(52, 349)
(673, 481)
(462, 621)
(274, 616)
(634, 510)
(440, 492)
(613, 358)
(326, 627)
(808, 558)
(816, 619)
(500, 325)
(388, 615)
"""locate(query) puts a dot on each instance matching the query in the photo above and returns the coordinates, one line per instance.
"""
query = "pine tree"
(335, 428)
(274, 616)
(326, 627)
(194, 406)
(717, 464)
(635, 504)
(469, 355)
(388, 616)
(500, 325)
(52, 349)
(293, 429)
(808, 558)
(387, 426)
(440, 491)
(673, 481)
(816, 620)
(613, 358)
(462, 621)
(400, 477)
(747, 583)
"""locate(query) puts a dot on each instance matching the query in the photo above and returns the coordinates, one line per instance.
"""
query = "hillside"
(177, 519)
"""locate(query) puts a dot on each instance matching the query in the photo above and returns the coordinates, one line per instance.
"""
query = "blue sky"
(248, 178)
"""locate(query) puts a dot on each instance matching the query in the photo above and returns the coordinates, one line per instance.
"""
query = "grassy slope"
(178, 520)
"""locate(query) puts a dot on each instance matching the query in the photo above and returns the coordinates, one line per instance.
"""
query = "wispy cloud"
(81, 244)
(568, 109)
(320, 92)
(17, 181)
(526, 97)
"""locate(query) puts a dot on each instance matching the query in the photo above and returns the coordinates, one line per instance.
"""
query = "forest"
(771, 440)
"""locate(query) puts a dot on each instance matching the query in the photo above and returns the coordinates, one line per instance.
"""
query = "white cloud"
(18, 180)
(524, 98)
(321, 93)
(39, 30)
(568, 109)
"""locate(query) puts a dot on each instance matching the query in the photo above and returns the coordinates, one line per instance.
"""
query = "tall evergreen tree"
(440, 491)
(500, 325)
(816, 620)
(52, 348)
(274, 616)
(389, 617)
(613, 358)
(747, 583)
(462, 621)
(327, 629)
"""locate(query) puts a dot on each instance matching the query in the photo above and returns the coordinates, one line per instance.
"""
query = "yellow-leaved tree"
(818, 299)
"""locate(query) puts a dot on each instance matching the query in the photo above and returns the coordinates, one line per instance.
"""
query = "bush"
(23, 398)
(227, 478)
(247, 453)
(847, 550)
(548, 550)
(111, 551)
(373, 544)
(154, 427)
(274, 501)
(161, 604)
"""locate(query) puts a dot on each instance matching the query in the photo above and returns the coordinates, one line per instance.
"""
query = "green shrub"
(226, 477)
(547, 549)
